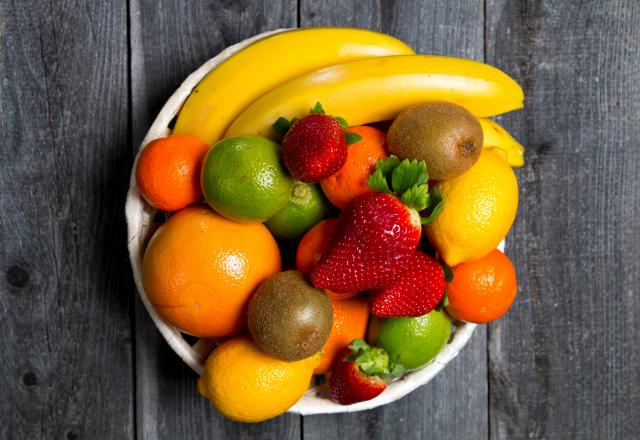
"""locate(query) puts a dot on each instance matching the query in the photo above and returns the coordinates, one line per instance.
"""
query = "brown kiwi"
(445, 135)
(288, 318)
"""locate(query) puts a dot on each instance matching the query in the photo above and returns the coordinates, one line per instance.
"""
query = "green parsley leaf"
(352, 138)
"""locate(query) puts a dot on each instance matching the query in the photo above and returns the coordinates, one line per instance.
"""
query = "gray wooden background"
(80, 83)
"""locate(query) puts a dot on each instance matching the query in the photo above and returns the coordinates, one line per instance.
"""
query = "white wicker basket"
(139, 215)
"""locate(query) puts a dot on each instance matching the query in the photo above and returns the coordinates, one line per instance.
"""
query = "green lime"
(307, 206)
(413, 342)
(243, 178)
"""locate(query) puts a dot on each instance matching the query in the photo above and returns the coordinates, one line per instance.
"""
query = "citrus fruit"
(413, 342)
(200, 268)
(482, 290)
(350, 319)
(351, 180)
(247, 385)
(306, 207)
(243, 178)
(313, 244)
(168, 172)
(480, 207)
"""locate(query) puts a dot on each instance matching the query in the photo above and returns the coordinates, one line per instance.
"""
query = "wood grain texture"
(170, 40)
(65, 291)
(454, 404)
(565, 363)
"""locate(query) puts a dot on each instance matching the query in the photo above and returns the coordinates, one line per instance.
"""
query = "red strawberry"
(374, 236)
(359, 373)
(314, 148)
(416, 293)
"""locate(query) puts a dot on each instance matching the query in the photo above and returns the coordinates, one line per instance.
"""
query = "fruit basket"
(140, 221)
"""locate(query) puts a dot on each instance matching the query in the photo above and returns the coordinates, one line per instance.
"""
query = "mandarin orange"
(168, 172)
(351, 180)
(350, 320)
(482, 290)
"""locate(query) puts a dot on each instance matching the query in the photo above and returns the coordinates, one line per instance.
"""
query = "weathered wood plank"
(65, 293)
(454, 404)
(170, 40)
(564, 364)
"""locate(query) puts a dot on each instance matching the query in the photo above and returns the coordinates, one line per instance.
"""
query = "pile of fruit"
(332, 213)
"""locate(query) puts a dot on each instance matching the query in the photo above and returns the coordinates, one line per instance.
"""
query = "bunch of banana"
(362, 76)
(242, 78)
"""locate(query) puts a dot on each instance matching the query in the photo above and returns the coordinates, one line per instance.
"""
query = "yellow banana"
(496, 136)
(377, 89)
(241, 79)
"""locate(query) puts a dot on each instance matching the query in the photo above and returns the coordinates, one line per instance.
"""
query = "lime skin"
(243, 178)
(307, 206)
(413, 342)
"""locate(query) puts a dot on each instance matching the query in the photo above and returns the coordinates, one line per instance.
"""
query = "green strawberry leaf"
(437, 203)
(282, 125)
(416, 197)
(448, 273)
(358, 344)
(387, 165)
(373, 361)
(378, 182)
(397, 369)
(317, 109)
(408, 174)
(342, 122)
(352, 138)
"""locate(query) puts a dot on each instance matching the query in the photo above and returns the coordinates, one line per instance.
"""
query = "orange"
(168, 172)
(313, 244)
(311, 247)
(351, 180)
(482, 290)
(200, 269)
(350, 320)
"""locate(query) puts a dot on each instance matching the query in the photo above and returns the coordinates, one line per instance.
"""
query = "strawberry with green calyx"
(408, 180)
(360, 373)
(315, 146)
(377, 233)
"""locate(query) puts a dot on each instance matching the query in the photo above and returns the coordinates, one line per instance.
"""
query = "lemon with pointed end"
(247, 385)
(480, 207)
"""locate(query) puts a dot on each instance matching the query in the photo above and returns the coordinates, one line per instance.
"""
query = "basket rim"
(139, 215)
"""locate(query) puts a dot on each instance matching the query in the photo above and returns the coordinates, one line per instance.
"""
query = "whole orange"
(351, 180)
(311, 247)
(200, 269)
(168, 172)
(350, 320)
(482, 290)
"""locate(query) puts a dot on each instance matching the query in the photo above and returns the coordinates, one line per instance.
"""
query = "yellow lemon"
(479, 209)
(247, 385)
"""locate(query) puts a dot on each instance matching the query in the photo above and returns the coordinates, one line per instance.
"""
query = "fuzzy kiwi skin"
(446, 136)
(288, 318)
